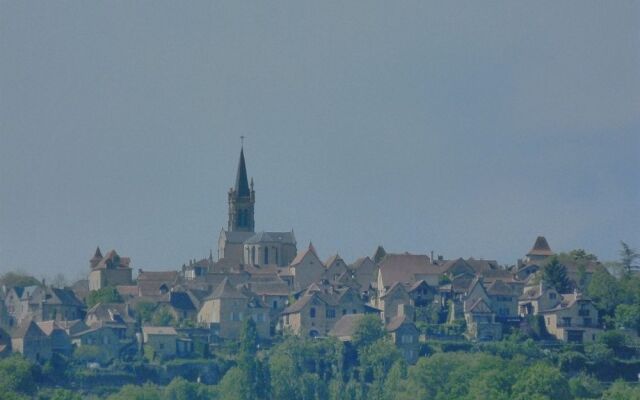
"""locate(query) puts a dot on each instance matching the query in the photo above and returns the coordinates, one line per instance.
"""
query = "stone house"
(110, 338)
(60, 341)
(503, 299)
(110, 270)
(48, 303)
(306, 268)
(31, 342)
(334, 268)
(365, 272)
(17, 304)
(162, 340)
(407, 269)
(537, 297)
(481, 321)
(404, 334)
(574, 319)
(116, 315)
(318, 309)
(225, 310)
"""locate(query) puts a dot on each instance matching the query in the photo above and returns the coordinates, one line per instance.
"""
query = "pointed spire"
(98, 253)
(311, 248)
(242, 183)
(97, 257)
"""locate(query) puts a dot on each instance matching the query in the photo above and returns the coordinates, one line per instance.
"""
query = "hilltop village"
(286, 290)
(266, 319)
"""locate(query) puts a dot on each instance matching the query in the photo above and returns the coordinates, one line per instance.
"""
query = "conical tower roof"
(540, 248)
(242, 183)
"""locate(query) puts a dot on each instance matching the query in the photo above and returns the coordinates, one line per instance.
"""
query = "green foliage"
(583, 386)
(132, 392)
(368, 329)
(144, 311)
(542, 381)
(17, 375)
(181, 389)
(162, 317)
(555, 275)
(605, 291)
(89, 353)
(64, 394)
(571, 361)
(621, 390)
(628, 316)
(14, 278)
(105, 295)
(628, 257)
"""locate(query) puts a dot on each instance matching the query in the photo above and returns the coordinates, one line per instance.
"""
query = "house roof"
(55, 296)
(397, 322)
(345, 327)
(113, 260)
(236, 237)
(164, 276)
(159, 330)
(334, 259)
(480, 307)
(301, 255)
(499, 288)
(540, 248)
(111, 312)
(29, 328)
(48, 327)
(225, 290)
(406, 268)
(181, 301)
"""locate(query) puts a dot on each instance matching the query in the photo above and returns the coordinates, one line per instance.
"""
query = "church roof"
(242, 183)
(271, 237)
(540, 248)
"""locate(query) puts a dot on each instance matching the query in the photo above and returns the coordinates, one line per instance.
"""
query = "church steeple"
(242, 183)
(241, 200)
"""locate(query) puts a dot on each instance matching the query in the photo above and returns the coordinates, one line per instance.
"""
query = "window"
(286, 319)
(552, 295)
(566, 321)
(275, 252)
(253, 255)
(312, 312)
(587, 321)
(406, 339)
(344, 311)
(331, 313)
(161, 346)
(275, 304)
(266, 255)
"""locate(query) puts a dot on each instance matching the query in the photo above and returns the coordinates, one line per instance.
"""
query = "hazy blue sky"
(466, 128)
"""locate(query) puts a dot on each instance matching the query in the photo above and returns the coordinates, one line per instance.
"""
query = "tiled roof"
(113, 260)
(272, 237)
(159, 330)
(397, 322)
(499, 288)
(345, 327)
(301, 255)
(540, 248)
(225, 290)
(480, 307)
(406, 268)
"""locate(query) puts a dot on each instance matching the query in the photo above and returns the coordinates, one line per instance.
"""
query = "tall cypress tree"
(555, 275)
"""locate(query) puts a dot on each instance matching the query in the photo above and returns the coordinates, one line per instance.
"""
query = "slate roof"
(272, 237)
(236, 237)
(48, 327)
(112, 312)
(242, 183)
(55, 296)
(334, 259)
(301, 255)
(181, 301)
(397, 322)
(29, 328)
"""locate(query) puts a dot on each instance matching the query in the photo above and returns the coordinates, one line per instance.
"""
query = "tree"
(628, 257)
(605, 292)
(132, 392)
(247, 363)
(181, 389)
(13, 278)
(541, 381)
(17, 375)
(105, 295)
(368, 329)
(162, 317)
(555, 275)
(621, 390)
(628, 316)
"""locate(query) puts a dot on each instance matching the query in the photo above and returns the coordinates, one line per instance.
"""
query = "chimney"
(432, 256)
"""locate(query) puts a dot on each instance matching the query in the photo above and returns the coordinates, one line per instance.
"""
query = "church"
(240, 243)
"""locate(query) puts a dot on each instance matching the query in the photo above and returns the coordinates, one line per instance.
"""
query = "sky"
(463, 128)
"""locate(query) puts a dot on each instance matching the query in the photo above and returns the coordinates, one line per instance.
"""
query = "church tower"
(241, 201)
